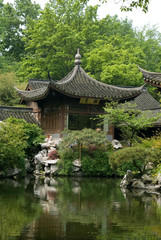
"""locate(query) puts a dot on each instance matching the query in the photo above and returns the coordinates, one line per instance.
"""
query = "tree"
(137, 155)
(111, 48)
(14, 19)
(149, 41)
(128, 118)
(114, 61)
(143, 4)
(80, 138)
(8, 94)
(52, 40)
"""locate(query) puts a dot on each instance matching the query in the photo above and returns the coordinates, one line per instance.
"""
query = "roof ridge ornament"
(77, 58)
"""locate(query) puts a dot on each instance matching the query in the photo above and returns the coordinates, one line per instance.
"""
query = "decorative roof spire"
(77, 58)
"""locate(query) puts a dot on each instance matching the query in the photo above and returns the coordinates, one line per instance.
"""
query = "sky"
(153, 17)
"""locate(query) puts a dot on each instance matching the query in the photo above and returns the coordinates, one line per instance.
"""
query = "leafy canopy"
(129, 118)
(83, 137)
(137, 155)
(12, 146)
(129, 5)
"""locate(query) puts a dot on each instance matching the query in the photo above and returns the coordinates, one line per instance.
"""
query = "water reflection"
(18, 208)
(73, 208)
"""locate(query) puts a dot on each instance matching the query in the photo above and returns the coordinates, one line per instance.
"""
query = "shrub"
(96, 163)
(12, 146)
(153, 142)
(138, 156)
(83, 138)
(67, 157)
(33, 134)
(90, 147)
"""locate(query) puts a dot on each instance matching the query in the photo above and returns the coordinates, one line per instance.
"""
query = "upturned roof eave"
(153, 78)
(148, 72)
(99, 98)
(53, 86)
(34, 98)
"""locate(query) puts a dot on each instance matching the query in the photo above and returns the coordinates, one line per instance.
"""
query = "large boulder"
(138, 184)
(38, 158)
(127, 180)
(146, 178)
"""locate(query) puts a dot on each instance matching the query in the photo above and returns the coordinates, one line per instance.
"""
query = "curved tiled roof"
(145, 101)
(80, 85)
(35, 94)
(17, 112)
(35, 83)
(153, 78)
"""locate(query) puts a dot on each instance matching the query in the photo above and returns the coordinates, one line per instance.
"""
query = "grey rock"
(50, 162)
(77, 163)
(158, 178)
(158, 188)
(116, 144)
(13, 172)
(38, 158)
(38, 167)
(138, 184)
(149, 166)
(44, 153)
(127, 180)
(37, 172)
(47, 170)
(53, 169)
(76, 169)
(29, 166)
(146, 178)
(44, 145)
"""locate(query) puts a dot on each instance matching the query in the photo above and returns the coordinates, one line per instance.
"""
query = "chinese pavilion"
(72, 102)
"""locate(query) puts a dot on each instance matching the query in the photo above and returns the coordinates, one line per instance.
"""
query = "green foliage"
(12, 146)
(18, 139)
(84, 137)
(91, 147)
(149, 41)
(67, 156)
(8, 95)
(128, 118)
(33, 134)
(46, 42)
(18, 209)
(96, 163)
(153, 142)
(138, 156)
(126, 5)
(14, 18)
(114, 61)
(52, 40)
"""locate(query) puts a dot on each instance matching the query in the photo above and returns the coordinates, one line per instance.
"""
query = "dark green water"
(67, 208)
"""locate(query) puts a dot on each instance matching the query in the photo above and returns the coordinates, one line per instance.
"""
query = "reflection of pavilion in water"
(68, 214)
(90, 209)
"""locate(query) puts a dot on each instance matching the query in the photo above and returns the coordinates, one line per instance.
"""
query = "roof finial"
(77, 58)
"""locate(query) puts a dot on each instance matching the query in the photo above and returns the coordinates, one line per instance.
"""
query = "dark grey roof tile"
(79, 84)
(19, 113)
(145, 101)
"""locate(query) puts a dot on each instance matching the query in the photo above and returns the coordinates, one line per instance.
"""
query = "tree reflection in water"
(78, 208)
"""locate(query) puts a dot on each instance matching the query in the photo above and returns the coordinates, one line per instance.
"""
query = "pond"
(77, 208)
